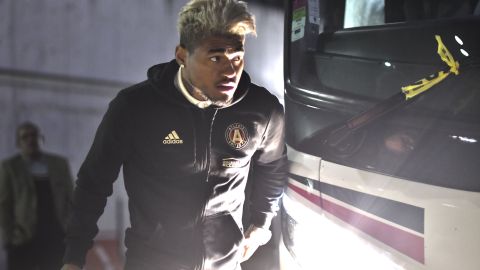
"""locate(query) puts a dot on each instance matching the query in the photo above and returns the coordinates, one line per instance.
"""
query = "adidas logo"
(172, 138)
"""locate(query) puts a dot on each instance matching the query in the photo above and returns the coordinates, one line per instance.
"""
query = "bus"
(382, 108)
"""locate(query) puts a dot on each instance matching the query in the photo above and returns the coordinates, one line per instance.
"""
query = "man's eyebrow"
(223, 50)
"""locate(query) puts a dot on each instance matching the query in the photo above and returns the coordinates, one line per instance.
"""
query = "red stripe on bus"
(407, 243)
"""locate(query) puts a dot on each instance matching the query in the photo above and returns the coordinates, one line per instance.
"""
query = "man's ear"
(181, 54)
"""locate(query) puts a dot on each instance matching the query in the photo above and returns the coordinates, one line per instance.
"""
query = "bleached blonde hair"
(200, 19)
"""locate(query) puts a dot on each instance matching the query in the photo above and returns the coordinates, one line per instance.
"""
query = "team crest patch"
(236, 136)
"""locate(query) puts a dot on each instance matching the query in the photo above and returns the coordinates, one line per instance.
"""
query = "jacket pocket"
(222, 238)
(143, 236)
(156, 236)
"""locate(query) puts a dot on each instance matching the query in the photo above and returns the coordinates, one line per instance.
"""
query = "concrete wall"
(61, 61)
(115, 40)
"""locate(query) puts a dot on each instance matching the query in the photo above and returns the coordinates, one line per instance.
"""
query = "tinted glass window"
(350, 67)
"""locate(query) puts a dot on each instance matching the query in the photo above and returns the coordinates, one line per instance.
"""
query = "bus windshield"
(390, 86)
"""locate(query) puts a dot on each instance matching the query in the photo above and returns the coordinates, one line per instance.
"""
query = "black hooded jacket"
(182, 166)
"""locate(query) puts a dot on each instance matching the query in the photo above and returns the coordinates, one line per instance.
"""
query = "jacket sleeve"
(269, 171)
(68, 179)
(6, 211)
(95, 180)
(68, 189)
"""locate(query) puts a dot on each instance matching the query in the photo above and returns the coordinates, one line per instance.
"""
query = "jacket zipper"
(208, 154)
(210, 144)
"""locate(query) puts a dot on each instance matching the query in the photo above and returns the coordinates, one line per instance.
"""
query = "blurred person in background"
(187, 138)
(35, 191)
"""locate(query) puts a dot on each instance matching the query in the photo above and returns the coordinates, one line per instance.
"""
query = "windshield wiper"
(399, 100)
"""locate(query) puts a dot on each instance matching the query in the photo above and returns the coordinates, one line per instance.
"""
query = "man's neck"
(179, 83)
(31, 156)
(195, 92)
(196, 96)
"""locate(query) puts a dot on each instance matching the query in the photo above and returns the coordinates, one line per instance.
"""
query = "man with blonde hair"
(188, 138)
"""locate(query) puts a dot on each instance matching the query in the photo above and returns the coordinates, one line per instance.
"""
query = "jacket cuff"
(261, 220)
(75, 255)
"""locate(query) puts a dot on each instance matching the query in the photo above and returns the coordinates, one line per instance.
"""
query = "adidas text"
(172, 141)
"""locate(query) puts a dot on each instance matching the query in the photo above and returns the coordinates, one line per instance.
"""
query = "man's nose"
(229, 70)
(32, 140)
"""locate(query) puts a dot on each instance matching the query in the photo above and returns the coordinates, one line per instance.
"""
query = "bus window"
(364, 13)
(347, 63)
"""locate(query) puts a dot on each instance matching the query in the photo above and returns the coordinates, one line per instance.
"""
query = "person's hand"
(254, 237)
(70, 267)
(249, 247)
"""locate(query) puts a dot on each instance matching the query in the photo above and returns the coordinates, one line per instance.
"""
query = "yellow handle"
(426, 83)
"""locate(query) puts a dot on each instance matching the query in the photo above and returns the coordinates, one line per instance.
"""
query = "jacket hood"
(162, 77)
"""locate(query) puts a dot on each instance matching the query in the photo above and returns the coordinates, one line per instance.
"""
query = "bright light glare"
(464, 52)
(321, 244)
(449, 205)
(310, 187)
(464, 139)
(388, 64)
(459, 40)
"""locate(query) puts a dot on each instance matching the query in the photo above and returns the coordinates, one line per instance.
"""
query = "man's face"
(214, 67)
(28, 141)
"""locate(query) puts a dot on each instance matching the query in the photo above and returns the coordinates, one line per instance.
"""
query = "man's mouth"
(226, 86)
